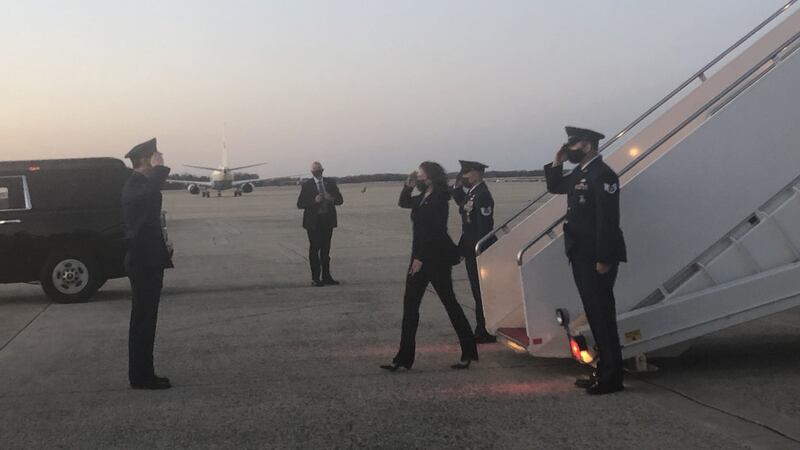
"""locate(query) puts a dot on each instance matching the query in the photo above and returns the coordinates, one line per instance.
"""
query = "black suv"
(61, 224)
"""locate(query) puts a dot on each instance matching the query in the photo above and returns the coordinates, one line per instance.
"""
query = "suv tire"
(70, 276)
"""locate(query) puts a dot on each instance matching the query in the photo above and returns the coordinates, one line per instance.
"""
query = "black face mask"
(317, 173)
(422, 186)
(575, 156)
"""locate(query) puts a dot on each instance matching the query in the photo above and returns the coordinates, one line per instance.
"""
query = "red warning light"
(576, 349)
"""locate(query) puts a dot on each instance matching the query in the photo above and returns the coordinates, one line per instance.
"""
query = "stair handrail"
(770, 58)
(700, 74)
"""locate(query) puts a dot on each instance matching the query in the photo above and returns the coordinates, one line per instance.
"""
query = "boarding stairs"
(710, 203)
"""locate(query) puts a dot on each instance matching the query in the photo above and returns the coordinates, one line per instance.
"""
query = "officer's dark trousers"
(319, 251)
(146, 285)
(474, 283)
(440, 276)
(597, 295)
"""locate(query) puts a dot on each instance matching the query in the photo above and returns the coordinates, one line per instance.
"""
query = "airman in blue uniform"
(476, 205)
(594, 245)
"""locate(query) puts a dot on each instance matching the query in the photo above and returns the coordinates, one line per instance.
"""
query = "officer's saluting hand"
(594, 245)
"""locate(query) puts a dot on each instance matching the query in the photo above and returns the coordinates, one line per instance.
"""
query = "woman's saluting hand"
(411, 181)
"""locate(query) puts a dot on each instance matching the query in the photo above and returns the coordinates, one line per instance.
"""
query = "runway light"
(634, 152)
(34, 168)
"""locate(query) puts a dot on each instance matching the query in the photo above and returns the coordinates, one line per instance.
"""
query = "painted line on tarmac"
(25, 327)
(720, 410)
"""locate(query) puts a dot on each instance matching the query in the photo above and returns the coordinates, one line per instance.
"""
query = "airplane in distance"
(221, 179)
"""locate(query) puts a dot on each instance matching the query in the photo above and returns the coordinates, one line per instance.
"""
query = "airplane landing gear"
(237, 193)
(206, 194)
(219, 193)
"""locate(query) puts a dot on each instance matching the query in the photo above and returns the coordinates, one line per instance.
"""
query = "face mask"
(422, 185)
(317, 173)
(575, 156)
(466, 183)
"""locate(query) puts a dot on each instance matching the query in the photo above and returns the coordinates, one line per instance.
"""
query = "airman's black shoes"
(157, 383)
(393, 367)
(602, 389)
(586, 383)
(483, 337)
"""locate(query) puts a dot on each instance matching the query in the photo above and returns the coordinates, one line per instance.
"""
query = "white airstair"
(710, 207)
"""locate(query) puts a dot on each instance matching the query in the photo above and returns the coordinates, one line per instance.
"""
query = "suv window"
(14, 193)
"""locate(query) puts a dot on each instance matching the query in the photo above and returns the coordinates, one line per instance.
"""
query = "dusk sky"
(363, 86)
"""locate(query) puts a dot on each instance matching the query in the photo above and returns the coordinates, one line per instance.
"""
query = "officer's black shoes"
(393, 367)
(483, 337)
(463, 365)
(602, 389)
(586, 383)
(318, 283)
(330, 282)
(157, 383)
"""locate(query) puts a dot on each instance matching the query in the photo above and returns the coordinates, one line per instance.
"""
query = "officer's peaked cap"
(143, 150)
(467, 166)
(576, 134)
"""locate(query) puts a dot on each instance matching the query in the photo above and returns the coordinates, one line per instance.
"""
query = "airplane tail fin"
(224, 147)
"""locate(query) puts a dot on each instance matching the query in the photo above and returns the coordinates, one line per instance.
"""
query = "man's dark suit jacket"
(312, 218)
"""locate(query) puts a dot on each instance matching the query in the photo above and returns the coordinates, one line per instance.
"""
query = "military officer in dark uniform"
(318, 199)
(594, 245)
(476, 205)
(146, 259)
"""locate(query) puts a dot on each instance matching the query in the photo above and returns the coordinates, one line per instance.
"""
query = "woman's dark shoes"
(330, 282)
(317, 283)
(463, 365)
(394, 367)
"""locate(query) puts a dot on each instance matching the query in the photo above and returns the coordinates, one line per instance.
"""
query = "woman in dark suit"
(433, 255)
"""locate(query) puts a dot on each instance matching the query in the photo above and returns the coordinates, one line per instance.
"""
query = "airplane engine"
(247, 188)
(193, 189)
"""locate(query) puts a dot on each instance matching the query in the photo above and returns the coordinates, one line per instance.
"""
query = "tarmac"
(261, 359)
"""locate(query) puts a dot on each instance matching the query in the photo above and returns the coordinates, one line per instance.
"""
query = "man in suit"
(147, 257)
(594, 245)
(318, 198)
(476, 205)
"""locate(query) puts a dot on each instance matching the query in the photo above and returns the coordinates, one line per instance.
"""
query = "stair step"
(516, 338)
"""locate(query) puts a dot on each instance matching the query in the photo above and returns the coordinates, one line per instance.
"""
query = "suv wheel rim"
(70, 276)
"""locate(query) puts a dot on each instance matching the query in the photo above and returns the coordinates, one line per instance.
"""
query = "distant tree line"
(382, 177)
(349, 179)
